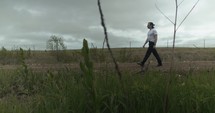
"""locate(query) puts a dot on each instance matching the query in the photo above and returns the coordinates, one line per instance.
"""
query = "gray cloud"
(32, 22)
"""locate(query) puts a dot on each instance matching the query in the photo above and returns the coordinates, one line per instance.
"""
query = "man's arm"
(145, 43)
(156, 38)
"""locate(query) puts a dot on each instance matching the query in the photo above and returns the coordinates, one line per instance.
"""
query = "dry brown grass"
(185, 58)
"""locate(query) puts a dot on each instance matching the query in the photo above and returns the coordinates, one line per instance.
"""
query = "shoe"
(140, 63)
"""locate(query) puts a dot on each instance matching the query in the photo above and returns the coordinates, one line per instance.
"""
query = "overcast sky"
(30, 23)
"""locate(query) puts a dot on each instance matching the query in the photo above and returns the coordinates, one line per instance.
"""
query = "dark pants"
(150, 50)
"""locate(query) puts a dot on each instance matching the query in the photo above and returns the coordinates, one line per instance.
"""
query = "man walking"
(152, 39)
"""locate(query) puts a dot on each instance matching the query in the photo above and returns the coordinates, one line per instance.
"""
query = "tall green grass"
(86, 90)
(65, 91)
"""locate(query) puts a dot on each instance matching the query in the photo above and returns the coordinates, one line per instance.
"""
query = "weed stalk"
(89, 79)
(107, 42)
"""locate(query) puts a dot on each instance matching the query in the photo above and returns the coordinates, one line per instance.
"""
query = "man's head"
(150, 25)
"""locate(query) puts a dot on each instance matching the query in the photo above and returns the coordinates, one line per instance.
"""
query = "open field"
(185, 59)
(133, 67)
(38, 82)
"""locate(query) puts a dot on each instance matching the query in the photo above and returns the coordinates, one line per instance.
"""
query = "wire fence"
(125, 44)
(192, 44)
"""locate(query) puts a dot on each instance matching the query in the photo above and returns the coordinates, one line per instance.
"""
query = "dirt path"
(178, 66)
(194, 65)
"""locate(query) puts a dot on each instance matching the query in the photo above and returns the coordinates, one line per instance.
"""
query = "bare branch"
(106, 38)
(180, 2)
(188, 14)
(163, 14)
(103, 44)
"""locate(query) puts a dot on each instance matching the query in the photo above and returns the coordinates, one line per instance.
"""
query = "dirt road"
(186, 65)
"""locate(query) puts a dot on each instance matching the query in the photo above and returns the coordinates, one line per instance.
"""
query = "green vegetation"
(91, 89)
(68, 91)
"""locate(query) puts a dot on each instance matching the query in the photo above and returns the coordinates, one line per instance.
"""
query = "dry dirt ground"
(133, 67)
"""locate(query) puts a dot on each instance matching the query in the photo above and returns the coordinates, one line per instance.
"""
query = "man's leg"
(155, 53)
(148, 53)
